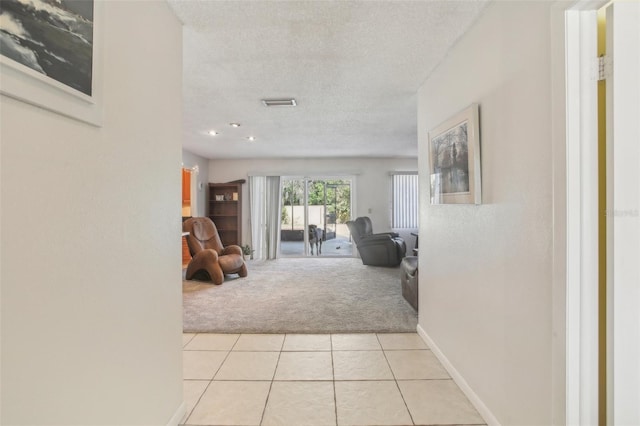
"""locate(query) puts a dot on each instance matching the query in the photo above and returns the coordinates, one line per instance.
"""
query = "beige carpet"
(312, 295)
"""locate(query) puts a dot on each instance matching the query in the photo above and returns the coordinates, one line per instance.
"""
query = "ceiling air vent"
(279, 102)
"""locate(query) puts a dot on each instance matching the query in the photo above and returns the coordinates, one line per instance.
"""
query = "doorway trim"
(305, 178)
(579, 90)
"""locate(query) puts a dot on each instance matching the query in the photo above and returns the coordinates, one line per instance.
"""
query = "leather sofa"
(409, 280)
(382, 249)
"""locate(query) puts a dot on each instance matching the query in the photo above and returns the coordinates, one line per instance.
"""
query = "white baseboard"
(484, 411)
(179, 415)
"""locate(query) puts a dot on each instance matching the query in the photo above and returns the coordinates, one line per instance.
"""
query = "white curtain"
(274, 211)
(194, 191)
(265, 210)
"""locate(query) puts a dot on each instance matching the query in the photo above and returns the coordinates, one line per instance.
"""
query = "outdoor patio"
(341, 245)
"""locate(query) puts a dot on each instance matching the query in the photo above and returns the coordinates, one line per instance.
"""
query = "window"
(405, 200)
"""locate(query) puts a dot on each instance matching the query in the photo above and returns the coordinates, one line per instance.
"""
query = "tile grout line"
(266, 402)
(395, 380)
(189, 341)
(333, 375)
(186, 420)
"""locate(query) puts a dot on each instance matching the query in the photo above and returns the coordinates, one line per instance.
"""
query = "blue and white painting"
(52, 37)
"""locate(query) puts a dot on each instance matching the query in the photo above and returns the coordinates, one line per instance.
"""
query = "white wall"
(486, 271)
(91, 288)
(189, 160)
(372, 183)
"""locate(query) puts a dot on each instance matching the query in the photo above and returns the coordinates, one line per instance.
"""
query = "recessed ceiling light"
(212, 132)
(279, 102)
(234, 124)
(251, 138)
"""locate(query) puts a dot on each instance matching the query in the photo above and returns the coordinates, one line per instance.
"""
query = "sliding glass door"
(314, 218)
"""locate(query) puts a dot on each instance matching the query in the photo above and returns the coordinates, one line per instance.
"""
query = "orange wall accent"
(186, 187)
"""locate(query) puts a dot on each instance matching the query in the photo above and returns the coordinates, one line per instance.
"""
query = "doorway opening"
(315, 211)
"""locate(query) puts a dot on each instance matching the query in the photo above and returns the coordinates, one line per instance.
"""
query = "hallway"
(318, 379)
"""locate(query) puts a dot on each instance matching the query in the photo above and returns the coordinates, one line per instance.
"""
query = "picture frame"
(454, 159)
(81, 101)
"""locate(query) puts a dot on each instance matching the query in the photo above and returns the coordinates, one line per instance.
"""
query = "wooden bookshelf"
(225, 210)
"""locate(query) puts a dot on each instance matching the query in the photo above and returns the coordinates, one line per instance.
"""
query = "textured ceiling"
(354, 68)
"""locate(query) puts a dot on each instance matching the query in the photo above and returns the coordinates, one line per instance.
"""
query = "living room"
(372, 189)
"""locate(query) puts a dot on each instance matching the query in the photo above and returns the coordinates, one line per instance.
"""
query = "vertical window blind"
(405, 200)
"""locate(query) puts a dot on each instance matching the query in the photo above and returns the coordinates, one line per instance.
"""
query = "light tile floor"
(318, 379)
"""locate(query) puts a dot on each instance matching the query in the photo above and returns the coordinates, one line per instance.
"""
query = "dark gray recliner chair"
(383, 249)
(409, 280)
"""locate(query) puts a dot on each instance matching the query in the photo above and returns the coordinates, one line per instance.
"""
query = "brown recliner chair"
(211, 261)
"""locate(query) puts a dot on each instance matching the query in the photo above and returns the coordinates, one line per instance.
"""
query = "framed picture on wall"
(454, 159)
(50, 56)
